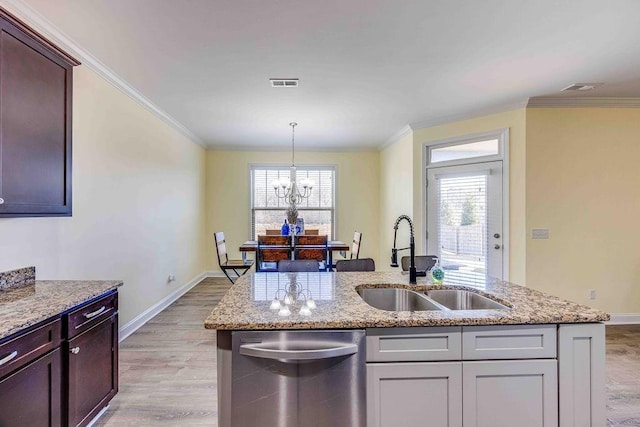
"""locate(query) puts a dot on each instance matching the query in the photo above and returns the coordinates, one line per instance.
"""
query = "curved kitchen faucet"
(412, 248)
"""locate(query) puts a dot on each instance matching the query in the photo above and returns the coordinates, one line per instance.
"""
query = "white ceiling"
(367, 68)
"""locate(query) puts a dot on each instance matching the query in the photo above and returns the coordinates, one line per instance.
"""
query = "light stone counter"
(247, 304)
(27, 304)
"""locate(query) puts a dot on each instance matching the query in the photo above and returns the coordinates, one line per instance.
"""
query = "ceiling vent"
(582, 86)
(284, 82)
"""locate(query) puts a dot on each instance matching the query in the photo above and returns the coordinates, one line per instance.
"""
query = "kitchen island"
(537, 362)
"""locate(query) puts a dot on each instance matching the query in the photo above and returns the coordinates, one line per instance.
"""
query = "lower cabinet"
(92, 371)
(414, 394)
(504, 393)
(510, 393)
(63, 371)
(474, 376)
(37, 383)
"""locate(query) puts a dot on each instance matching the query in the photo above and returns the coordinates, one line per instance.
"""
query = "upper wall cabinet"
(35, 123)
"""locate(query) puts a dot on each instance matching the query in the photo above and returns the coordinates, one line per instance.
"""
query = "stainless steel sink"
(396, 299)
(455, 299)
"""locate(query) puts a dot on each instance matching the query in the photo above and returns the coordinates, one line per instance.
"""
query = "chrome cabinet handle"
(327, 351)
(95, 313)
(8, 358)
(74, 350)
(1, 200)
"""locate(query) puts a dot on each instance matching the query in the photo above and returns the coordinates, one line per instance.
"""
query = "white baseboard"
(212, 273)
(624, 319)
(152, 311)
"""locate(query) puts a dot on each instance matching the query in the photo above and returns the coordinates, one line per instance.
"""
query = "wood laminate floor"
(168, 368)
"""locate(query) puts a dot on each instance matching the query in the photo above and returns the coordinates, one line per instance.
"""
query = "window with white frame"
(268, 210)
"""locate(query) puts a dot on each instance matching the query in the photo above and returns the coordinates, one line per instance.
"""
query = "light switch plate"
(540, 233)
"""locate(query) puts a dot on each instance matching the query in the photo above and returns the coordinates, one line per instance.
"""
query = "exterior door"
(464, 220)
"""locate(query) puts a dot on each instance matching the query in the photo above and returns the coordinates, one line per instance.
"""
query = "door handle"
(496, 246)
(305, 351)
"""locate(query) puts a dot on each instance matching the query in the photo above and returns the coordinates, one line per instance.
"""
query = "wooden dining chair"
(238, 266)
(297, 265)
(363, 264)
(273, 232)
(312, 232)
(312, 248)
(272, 249)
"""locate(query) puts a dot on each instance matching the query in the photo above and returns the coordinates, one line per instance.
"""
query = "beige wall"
(396, 196)
(357, 194)
(583, 180)
(138, 203)
(515, 121)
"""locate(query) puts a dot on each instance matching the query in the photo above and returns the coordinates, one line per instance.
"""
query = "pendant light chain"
(293, 139)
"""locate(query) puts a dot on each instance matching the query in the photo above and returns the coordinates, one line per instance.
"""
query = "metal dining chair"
(363, 264)
(423, 262)
(238, 266)
(271, 250)
(355, 248)
(306, 265)
(312, 248)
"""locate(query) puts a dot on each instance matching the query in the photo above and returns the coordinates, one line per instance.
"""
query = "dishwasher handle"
(313, 352)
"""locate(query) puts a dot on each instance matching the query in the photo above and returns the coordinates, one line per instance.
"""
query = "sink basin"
(455, 299)
(395, 299)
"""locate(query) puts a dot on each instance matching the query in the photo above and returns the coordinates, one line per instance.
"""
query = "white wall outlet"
(540, 233)
(592, 294)
(172, 278)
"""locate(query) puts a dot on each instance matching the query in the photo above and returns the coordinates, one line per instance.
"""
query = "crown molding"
(26, 13)
(472, 114)
(281, 149)
(404, 131)
(583, 101)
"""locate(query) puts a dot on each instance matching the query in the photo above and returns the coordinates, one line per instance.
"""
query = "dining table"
(332, 246)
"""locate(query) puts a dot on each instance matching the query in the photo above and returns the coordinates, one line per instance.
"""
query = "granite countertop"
(26, 304)
(247, 304)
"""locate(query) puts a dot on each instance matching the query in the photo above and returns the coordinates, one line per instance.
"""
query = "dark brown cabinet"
(64, 371)
(92, 371)
(35, 123)
(35, 382)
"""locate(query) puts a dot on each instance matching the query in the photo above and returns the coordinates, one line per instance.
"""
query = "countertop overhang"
(25, 306)
(246, 306)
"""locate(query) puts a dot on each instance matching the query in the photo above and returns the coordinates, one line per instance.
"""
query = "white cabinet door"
(414, 394)
(521, 393)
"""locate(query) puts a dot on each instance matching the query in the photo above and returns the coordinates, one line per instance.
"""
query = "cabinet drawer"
(25, 348)
(91, 314)
(509, 342)
(413, 344)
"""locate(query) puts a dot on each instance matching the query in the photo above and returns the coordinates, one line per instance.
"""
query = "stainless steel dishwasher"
(292, 378)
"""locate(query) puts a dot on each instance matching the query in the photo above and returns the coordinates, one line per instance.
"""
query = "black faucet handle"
(394, 257)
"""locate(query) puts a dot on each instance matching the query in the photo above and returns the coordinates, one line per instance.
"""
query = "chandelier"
(292, 295)
(288, 189)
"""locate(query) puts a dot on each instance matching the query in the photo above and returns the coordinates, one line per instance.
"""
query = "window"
(268, 211)
(461, 151)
